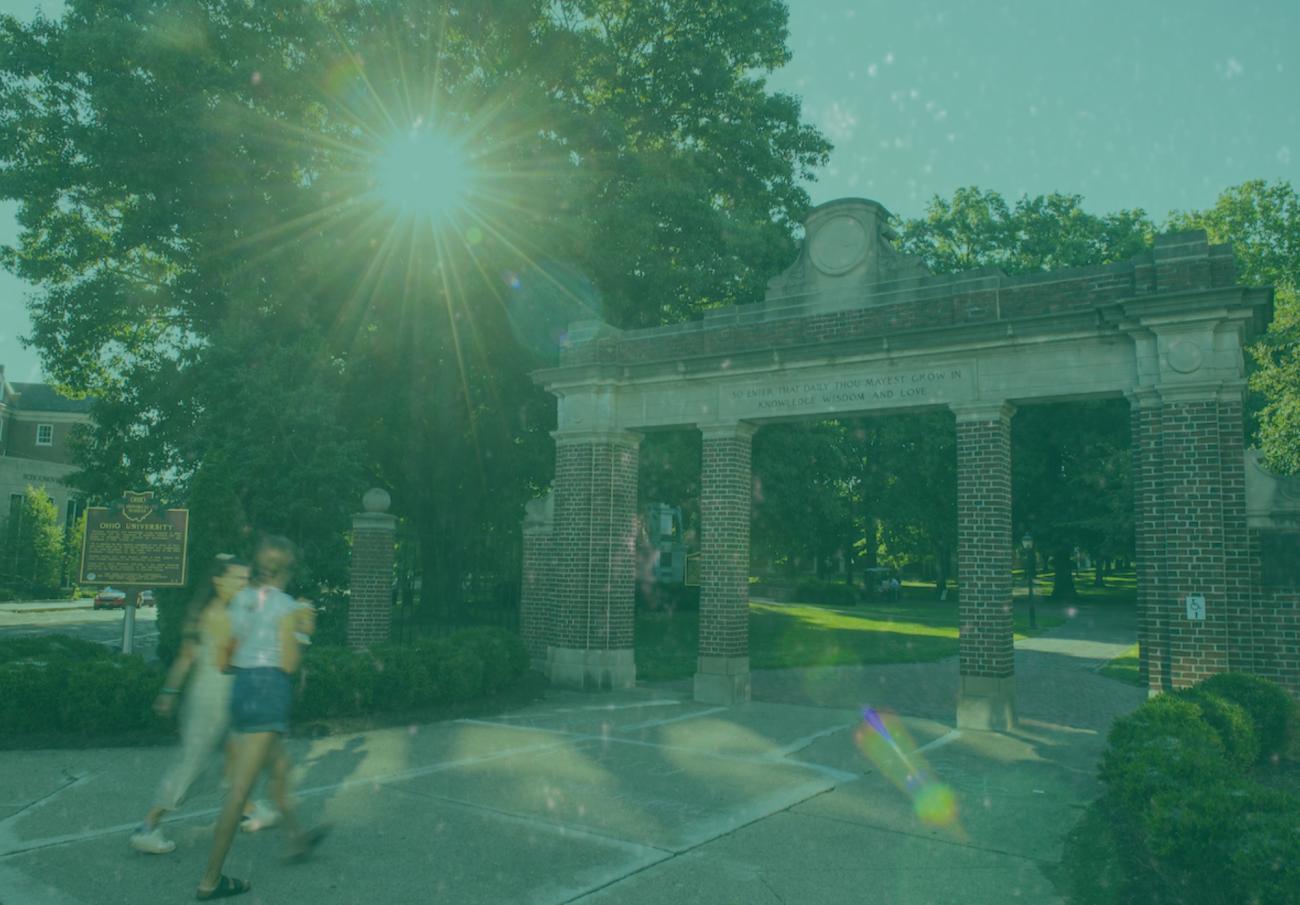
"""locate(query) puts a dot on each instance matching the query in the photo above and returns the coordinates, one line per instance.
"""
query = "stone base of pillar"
(722, 680)
(986, 704)
(591, 670)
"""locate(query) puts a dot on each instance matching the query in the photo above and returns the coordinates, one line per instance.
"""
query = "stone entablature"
(858, 306)
(1167, 320)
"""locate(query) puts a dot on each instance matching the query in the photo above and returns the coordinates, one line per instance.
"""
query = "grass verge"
(788, 635)
(1124, 668)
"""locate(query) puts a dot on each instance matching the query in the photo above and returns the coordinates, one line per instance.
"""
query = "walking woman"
(205, 708)
(266, 628)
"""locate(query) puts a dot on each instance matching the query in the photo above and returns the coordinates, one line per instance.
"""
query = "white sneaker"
(263, 816)
(151, 842)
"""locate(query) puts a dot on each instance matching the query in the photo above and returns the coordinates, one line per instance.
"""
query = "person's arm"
(166, 701)
(290, 650)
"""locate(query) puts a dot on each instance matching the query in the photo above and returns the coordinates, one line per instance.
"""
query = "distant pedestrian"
(895, 588)
(264, 651)
(205, 705)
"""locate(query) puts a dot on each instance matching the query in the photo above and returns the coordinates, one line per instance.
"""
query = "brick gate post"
(1149, 534)
(594, 549)
(726, 491)
(537, 588)
(987, 695)
(1202, 525)
(370, 608)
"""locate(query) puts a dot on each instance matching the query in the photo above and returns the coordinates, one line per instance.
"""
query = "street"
(103, 626)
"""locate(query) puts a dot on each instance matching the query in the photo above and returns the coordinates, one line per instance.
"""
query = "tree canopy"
(198, 210)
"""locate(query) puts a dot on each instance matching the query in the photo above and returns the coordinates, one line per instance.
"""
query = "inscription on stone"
(850, 392)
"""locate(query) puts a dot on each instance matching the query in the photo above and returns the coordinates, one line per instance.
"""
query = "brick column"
(726, 490)
(594, 551)
(1149, 535)
(1189, 468)
(1197, 528)
(537, 589)
(370, 608)
(986, 698)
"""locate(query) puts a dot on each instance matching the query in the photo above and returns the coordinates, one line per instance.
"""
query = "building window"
(45, 435)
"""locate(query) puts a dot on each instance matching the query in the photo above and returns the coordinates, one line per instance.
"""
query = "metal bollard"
(128, 623)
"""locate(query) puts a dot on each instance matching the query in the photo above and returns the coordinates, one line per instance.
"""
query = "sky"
(1130, 103)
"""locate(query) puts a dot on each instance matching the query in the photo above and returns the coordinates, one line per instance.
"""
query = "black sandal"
(225, 888)
(306, 843)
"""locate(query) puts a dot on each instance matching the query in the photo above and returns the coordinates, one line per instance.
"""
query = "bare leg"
(250, 752)
(279, 786)
(155, 814)
(228, 766)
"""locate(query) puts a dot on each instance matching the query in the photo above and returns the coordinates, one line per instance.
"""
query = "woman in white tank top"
(205, 708)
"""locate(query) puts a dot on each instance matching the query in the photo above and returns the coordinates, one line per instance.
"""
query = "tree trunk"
(1063, 580)
(1098, 571)
(941, 560)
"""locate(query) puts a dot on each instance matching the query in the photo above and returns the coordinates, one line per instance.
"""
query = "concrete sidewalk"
(636, 797)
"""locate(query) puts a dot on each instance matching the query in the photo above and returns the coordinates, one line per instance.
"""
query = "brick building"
(853, 327)
(36, 424)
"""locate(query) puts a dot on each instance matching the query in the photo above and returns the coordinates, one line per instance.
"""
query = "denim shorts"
(260, 700)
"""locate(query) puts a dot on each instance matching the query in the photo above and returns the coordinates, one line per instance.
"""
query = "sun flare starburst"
(424, 174)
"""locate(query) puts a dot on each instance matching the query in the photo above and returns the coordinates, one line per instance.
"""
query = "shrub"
(1192, 825)
(56, 684)
(1265, 861)
(51, 647)
(1271, 708)
(504, 657)
(403, 678)
(1231, 723)
(457, 669)
(1164, 745)
(334, 681)
(95, 696)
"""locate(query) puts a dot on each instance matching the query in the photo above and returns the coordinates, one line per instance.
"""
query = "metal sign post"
(128, 621)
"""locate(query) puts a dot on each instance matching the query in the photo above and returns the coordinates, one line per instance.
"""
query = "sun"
(424, 174)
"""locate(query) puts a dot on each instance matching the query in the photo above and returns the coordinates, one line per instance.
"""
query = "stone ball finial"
(376, 500)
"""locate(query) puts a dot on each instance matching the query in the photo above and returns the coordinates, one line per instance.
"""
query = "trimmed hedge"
(60, 685)
(1191, 823)
(1271, 708)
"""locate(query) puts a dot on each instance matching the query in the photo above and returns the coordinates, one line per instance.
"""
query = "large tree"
(1262, 223)
(200, 186)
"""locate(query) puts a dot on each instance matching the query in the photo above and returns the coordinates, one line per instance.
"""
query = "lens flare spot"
(936, 805)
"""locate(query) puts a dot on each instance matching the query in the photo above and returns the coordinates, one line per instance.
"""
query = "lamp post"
(1027, 542)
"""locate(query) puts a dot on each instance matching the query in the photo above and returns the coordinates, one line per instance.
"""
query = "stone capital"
(1000, 410)
(613, 437)
(374, 521)
(739, 430)
(1144, 397)
(1207, 391)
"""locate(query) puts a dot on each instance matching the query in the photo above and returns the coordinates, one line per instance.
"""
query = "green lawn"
(914, 630)
(1124, 667)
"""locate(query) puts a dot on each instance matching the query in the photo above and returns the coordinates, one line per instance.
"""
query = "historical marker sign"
(133, 542)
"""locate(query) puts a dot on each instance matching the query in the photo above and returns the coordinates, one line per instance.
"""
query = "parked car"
(109, 598)
(146, 598)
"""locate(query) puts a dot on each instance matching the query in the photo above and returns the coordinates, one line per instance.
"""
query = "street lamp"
(1027, 542)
